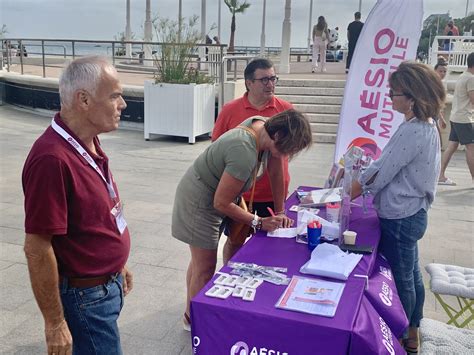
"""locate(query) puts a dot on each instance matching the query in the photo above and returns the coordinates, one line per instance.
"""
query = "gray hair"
(81, 74)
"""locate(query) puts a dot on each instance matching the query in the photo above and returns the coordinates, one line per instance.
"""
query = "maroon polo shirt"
(66, 198)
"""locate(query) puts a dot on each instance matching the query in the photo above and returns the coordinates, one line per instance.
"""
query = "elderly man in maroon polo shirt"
(259, 100)
(77, 241)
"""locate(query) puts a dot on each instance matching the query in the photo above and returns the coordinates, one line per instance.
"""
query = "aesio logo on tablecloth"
(387, 273)
(387, 336)
(386, 295)
(241, 348)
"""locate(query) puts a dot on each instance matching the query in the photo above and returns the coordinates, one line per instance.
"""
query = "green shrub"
(178, 46)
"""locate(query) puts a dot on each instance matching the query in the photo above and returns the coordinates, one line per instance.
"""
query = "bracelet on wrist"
(280, 212)
(56, 327)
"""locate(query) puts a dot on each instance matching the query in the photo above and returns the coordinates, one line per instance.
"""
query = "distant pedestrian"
(462, 122)
(21, 50)
(441, 68)
(353, 32)
(447, 42)
(450, 26)
(320, 41)
(208, 41)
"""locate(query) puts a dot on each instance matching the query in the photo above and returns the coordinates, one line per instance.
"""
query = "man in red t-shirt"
(76, 235)
(259, 100)
(450, 26)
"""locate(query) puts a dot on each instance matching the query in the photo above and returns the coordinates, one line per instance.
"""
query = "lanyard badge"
(116, 211)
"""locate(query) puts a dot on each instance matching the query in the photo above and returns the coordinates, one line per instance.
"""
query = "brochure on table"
(311, 296)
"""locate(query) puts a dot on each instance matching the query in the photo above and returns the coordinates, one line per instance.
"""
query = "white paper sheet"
(283, 233)
(330, 261)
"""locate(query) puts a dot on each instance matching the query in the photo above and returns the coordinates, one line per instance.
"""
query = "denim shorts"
(91, 314)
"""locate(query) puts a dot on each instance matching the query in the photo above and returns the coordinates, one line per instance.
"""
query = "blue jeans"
(399, 245)
(91, 315)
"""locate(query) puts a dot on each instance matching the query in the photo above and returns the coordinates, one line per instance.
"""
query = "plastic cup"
(349, 237)
(314, 235)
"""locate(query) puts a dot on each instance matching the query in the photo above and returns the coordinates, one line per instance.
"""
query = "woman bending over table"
(403, 181)
(211, 187)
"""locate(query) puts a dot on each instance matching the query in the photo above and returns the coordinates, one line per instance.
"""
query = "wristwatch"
(256, 223)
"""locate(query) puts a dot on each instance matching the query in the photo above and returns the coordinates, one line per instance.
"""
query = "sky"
(103, 19)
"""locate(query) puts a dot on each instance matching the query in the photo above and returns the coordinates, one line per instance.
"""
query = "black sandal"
(409, 348)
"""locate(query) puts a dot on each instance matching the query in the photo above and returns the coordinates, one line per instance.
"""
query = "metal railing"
(52, 53)
(141, 56)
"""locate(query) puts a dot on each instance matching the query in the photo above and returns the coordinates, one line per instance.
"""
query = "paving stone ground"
(147, 174)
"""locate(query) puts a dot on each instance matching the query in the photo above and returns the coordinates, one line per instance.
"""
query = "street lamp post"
(285, 40)
(203, 21)
(360, 5)
(309, 25)
(219, 19)
(262, 36)
(180, 18)
(148, 35)
(128, 33)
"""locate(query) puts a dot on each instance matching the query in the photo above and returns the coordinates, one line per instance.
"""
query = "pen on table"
(271, 211)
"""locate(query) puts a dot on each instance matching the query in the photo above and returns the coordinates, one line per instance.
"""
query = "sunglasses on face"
(266, 80)
(392, 95)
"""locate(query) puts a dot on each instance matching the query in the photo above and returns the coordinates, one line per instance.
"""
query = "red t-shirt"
(66, 198)
(234, 113)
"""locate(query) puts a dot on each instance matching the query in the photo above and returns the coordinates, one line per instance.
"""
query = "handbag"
(239, 231)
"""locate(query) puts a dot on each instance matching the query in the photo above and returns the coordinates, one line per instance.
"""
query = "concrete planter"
(184, 110)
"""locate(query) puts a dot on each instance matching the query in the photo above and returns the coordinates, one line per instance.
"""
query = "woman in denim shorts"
(403, 181)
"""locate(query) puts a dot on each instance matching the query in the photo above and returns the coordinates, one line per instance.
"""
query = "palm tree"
(235, 7)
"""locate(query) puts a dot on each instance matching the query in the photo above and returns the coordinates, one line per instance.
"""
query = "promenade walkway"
(299, 70)
(147, 174)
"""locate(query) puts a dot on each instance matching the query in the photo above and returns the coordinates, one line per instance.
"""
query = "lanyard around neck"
(83, 153)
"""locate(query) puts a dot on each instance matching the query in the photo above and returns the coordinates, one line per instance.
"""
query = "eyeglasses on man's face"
(267, 79)
(391, 94)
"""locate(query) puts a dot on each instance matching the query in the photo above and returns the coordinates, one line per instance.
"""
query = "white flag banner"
(389, 36)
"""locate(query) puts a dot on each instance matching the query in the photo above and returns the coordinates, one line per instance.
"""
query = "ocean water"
(60, 48)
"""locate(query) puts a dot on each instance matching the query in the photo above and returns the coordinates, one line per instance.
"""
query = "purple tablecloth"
(382, 295)
(231, 325)
(371, 334)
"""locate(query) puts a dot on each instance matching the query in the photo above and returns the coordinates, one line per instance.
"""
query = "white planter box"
(185, 110)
